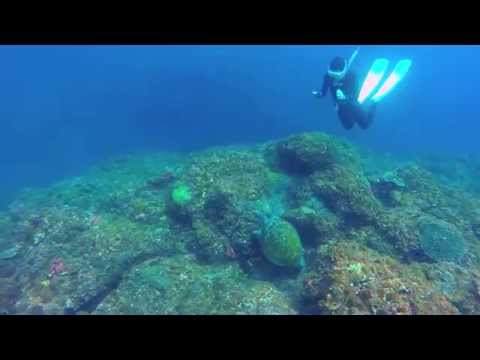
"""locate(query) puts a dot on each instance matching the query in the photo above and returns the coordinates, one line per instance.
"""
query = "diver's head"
(338, 68)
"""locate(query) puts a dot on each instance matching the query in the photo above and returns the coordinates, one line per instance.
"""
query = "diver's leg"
(346, 117)
(365, 118)
(372, 112)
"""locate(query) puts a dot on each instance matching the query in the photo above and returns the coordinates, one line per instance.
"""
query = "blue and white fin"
(398, 73)
(374, 76)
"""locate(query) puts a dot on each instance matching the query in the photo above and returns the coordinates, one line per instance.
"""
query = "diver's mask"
(338, 74)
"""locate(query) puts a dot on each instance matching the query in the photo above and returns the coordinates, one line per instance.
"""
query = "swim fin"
(374, 76)
(398, 73)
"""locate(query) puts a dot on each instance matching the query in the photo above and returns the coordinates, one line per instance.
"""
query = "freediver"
(343, 85)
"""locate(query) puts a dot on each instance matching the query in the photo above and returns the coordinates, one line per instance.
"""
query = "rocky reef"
(309, 224)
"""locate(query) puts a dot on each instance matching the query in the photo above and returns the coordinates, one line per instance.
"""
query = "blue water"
(64, 108)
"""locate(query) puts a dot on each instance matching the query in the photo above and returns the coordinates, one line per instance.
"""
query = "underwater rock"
(355, 280)
(302, 194)
(399, 227)
(10, 291)
(210, 245)
(391, 178)
(223, 179)
(306, 153)
(235, 221)
(242, 174)
(459, 171)
(387, 188)
(6, 225)
(415, 177)
(224, 230)
(424, 200)
(7, 268)
(476, 230)
(281, 244)
(441, 241)
(218, 206)
(422, 191)
(165, 179)
(93, 262)
(422, 237)
(180, 286)
(60, 224)
(347, 193)
(476, 226)
(227, 240)
(8, 253)
(145, 208)
(314, 227)
(10, 242)
(402, 245)
(227, 184)
(370, 237)
(457, 283)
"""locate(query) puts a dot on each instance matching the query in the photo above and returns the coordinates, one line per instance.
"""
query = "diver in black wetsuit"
(343, 86)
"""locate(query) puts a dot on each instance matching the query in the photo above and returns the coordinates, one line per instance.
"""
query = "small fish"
(95, 220)
(230, 252)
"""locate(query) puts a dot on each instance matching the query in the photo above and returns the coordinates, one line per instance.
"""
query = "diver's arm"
(327, 82)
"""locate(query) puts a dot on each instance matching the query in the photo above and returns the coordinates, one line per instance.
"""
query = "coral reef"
(441, 241)
(304, 225)
(304, 154)
(315, 226)
(359, 280)
(347, 193)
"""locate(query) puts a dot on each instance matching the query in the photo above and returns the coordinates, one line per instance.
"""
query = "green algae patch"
(181, 195)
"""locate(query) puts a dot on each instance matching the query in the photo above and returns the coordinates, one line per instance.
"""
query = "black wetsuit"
(349, 111)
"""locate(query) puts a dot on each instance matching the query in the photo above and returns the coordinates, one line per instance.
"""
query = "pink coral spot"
(57, 267)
